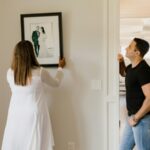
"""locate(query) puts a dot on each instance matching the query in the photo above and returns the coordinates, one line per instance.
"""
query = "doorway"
(134, 22)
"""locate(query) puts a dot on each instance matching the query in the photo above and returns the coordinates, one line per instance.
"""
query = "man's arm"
(122, 66)
(145, 107)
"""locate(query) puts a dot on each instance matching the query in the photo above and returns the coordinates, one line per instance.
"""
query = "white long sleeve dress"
(28, 124)
(43, 52)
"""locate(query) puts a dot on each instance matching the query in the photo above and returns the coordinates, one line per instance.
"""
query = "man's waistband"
(130, 114)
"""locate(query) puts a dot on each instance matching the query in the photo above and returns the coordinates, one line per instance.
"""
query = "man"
(35, 39)
(137, 81)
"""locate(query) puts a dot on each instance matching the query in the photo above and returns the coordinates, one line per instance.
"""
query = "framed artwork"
(44, 30)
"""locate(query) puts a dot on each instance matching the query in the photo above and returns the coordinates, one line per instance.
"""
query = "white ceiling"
(134, 8)
(134, 27)
(134, 20)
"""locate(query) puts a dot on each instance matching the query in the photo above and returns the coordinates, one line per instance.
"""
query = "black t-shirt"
(135, 78)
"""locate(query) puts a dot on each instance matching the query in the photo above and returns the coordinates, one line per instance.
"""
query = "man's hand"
(132, 121)
(120, 58)
(62, 62)
(122, 66)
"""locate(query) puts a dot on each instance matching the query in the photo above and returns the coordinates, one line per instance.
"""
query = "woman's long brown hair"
(23, 62)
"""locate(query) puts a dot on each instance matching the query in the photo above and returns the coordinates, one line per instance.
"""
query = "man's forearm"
(122, 68)
(144, 109)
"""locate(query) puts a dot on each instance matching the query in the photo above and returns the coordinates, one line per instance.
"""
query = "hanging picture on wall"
(44, 30)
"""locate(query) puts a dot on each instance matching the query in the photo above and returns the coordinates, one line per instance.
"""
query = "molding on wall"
(111, 75)
(112, 123)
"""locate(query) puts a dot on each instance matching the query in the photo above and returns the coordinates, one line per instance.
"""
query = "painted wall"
(78, 106)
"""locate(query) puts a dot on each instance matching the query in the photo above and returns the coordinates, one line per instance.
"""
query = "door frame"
(111, 85)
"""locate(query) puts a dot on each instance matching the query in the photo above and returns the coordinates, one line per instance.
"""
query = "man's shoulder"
(144, 68)
(33, 32)
(144, 65)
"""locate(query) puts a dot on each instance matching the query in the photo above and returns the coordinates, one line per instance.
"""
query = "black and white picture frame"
(44, 30)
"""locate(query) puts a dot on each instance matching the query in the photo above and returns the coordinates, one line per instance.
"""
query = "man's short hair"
(142, 46)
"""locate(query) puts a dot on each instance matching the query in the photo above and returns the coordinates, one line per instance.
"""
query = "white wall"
(79, 113)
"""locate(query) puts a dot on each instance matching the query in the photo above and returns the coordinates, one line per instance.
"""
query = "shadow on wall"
(68, 121)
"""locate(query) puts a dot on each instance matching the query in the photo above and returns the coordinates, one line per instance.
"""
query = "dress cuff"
(60, 68)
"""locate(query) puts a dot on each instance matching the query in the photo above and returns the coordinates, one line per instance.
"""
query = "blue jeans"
(138, 135)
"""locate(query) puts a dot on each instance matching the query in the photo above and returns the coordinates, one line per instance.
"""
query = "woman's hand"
(62, 62)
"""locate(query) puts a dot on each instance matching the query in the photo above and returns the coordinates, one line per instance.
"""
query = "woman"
(28, 124)
(43, 53)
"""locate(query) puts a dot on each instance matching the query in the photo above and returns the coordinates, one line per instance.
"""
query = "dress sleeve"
(52, 81)
(9, 76)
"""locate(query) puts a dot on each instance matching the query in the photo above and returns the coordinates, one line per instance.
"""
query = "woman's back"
(28, 123)
(33, 88)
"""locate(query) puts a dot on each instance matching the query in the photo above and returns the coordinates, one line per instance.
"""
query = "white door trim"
(111, 82)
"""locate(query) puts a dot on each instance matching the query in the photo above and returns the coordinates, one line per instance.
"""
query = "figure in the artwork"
(42, 42)
(35, 39)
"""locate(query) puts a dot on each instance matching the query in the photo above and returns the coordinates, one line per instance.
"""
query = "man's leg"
(127, 139)
(142, 134)
(36, 49)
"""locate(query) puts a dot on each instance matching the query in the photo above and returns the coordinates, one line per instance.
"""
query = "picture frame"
(44, 30)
